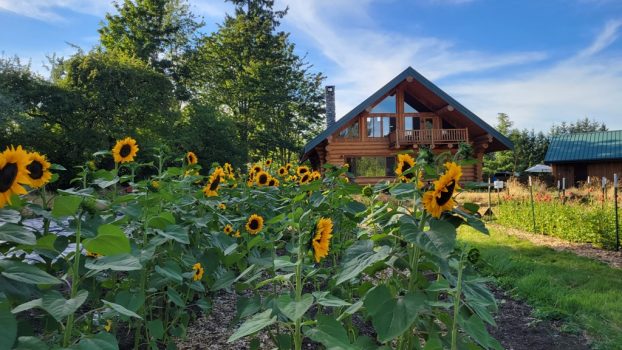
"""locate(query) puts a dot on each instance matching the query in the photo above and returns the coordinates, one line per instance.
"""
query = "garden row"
(572, 221)
(122, 262)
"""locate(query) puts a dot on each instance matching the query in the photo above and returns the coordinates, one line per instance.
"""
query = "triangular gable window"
(408, 108)
(388, 105)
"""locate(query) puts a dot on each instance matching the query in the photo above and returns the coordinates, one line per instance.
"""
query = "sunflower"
(222, 206)
(306, 178)
(108, 326)
(282, 171)
(237, 234)
(268, 162)
(273, 182)
(13, 172)
(288, 166)
(229, 170)
(404, 163)
(228, 229)
(303, 169)
(211, 189)
(125, 150)
(191, 158)
(198, 272)
(441, 198)
(256, 168)
(321, 240)
(315, 175)
(262, 178)
(155, 185)
(39, 169)
(254, 224)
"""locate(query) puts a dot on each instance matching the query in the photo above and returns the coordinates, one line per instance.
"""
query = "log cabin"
(408, 113)
(580, 156)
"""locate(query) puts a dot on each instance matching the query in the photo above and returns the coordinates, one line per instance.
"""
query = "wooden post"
(603, 185)
(615, 206)
(533, 209)
(489, 200)
(564, 190)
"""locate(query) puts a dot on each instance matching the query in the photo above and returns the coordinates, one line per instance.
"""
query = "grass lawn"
(586, 294)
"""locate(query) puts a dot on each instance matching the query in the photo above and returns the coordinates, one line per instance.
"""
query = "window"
(388, 105)
(351, 131)
(380, 126)
(372, 166)
(408, 108)
(411, 123)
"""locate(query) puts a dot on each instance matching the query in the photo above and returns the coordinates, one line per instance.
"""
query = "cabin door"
(426, 128)
(580, 173)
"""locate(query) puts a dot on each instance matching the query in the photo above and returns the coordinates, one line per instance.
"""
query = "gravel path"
(612, 258)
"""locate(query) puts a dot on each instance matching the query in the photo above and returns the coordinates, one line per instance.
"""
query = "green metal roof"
(587, 146)
(392, 84)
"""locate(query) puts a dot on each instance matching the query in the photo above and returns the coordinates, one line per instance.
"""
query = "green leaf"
(8, 327)
(325, 299)
(156, 328)
(100, 341)
(294, 310)
(224, 281)
(131, 301)
(27, 306)
(17, 234)
(26, 273)
(66, 205)
(358, 257)
(121, 262)
(161, 221)
(174, 297)
(476, 329)
(171, 271)
(330, 333)
(110, 240)
(253, 325)
(440, 240)
(10, 215)
(57, 306)
(392, 316)
(176, 233)
(30, 343)
(120, 309)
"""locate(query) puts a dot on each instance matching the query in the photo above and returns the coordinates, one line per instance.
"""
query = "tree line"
(530, 147)
(238, 94)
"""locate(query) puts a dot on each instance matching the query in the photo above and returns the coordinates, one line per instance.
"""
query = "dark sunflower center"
(7, 176)
(214, 185)
(36, 170)
(303, 170)
(446, 196)
(263, 179)
(305, 178)
(405, 168)
(197, 272)
(125, 151)
(271, 183)
(254, 224)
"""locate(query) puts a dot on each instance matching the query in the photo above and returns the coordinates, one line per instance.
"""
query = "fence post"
(603, 188)
(615, 206)
(563, 190)
(489, 200)
(533, 210)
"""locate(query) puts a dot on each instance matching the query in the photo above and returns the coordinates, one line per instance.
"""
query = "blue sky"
(540, 61)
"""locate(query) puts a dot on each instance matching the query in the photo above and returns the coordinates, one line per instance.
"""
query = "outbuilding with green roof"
(582, 156)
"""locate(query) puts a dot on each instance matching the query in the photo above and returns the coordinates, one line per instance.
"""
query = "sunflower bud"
(368, 191)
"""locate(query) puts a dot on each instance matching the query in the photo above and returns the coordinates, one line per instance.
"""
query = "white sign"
(498, 185)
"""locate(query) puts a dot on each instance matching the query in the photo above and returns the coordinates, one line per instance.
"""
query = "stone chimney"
(330, 105)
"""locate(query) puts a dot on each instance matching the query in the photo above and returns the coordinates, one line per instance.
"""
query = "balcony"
(401, 138)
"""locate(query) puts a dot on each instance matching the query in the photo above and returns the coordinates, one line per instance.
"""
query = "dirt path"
(612, 258)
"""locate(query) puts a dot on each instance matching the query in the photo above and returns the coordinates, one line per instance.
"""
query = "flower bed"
(140, 258)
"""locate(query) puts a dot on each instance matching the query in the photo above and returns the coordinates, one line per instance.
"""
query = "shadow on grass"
(584, 293)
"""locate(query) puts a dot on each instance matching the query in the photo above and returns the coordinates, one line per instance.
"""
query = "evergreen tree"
(250, 71)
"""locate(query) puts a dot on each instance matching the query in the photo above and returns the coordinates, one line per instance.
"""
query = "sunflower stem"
(297, 329)
(75, 279)
(44, 205)
(457, 295)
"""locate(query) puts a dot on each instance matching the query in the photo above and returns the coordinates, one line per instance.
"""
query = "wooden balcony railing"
(428, 136)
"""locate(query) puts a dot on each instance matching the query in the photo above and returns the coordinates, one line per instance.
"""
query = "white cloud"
(366, 57)
(48, 10)
(585, 85)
